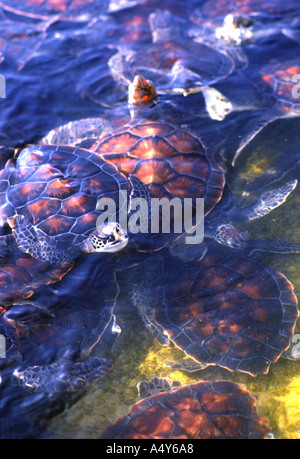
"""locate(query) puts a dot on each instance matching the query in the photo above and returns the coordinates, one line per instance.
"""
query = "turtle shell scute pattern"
(21, 275)
(277, 84)
(57, 190)
(204, 410)
(171, 162)
(228, 311)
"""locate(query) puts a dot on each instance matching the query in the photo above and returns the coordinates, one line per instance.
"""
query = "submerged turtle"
(203, 410)
(243, 22)
(178, 65)
(225, 309)
(277, 93)
(51, 353)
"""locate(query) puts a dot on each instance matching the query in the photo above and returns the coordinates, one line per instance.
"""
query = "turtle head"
(107, 238)
(141, 93)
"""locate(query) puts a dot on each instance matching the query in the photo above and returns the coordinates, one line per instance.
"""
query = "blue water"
(57, 69)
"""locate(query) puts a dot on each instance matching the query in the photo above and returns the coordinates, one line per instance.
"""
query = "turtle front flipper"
(267, 202)
(38, 244)
(62, 377)
(81, 132)
(225, 233)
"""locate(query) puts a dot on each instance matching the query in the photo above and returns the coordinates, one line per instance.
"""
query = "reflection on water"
(58, 68)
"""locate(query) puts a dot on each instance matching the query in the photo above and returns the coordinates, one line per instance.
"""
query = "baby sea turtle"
(203, 410)
(277, 90)
(49, 340)
(49, 198)
(225, 309)
(171, 64)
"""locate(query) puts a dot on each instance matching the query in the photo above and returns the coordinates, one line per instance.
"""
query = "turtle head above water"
(107, 238)
(141, 92)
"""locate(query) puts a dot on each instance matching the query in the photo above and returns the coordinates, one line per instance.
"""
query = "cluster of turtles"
(213, 300)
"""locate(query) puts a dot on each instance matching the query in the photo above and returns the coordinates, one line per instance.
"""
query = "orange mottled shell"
(276, 84)
(227, 311)
(57, 190)
(171, 162)
(205, 410)
(21, 275)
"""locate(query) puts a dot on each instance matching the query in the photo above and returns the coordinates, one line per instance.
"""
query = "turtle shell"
(57, 190)
(170, 162)
(65, 9)
(21, 275)
(204, 410)
(224, 310)
(276, 85)
(269, 7)
(170, 62)
(58, 325)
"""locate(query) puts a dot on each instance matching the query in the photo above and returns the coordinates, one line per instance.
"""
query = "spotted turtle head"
(109, 237)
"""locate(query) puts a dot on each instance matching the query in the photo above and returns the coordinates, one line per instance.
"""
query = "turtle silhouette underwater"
(170, 63)
(203, 410)
(244, 22)
(275, 95)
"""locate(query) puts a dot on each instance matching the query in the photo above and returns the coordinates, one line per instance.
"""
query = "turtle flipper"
(267, 202)
(34, 241)
(62, 377)
(272, 246)
(78, 132)
(156, 385)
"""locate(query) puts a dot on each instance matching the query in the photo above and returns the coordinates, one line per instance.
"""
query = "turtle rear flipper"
(62, 377)
(38, 244)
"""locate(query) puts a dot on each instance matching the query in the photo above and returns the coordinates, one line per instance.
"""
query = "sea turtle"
(276, 95)
(244, 22)
(50, 196)
(225, 309)
(169, 61)
(202, 410)
(50, 352)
